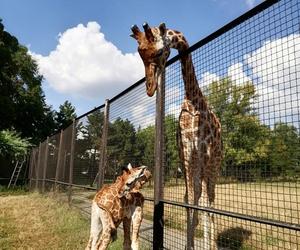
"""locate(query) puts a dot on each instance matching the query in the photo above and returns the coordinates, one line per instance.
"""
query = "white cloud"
(142, 112)
(250, 3)
(208, 78)
(174, 109)
(85, 64)
(276, 65)
(275, 71)
(277, 62)
(174, 97)
(138, 110)
(236, 73)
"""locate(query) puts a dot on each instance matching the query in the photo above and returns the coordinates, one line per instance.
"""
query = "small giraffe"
(199, 129)
(120, 201)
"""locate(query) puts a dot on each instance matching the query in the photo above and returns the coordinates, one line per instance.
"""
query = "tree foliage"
(65, 115)
(145, 142)
(121, 143)
(12, 145)
(285, 150)
(244, 137)
(251, 148)
(22, 101)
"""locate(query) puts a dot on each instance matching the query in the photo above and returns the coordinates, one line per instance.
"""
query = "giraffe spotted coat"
(119, 202)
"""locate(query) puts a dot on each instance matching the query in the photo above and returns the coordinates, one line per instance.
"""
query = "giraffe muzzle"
(151, 87)
(151, 79)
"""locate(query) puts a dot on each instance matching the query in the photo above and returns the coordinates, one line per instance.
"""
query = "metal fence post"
(45, 164)
(58, 159)
(72, 161)
(30, 169)
(38, 166)
(103, 149)
(158, 223)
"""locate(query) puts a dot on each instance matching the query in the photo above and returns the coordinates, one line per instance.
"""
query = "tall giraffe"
(116, 203)
(199, 128)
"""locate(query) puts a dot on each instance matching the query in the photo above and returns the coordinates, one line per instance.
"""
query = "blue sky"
(43, 25)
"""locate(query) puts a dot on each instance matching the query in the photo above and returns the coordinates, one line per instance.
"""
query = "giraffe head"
(154, 49)
(133, 179)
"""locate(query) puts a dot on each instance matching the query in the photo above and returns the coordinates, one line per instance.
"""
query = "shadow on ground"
(233, 238)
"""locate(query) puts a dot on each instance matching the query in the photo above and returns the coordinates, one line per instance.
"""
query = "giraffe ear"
(162, 29)
(129, 167)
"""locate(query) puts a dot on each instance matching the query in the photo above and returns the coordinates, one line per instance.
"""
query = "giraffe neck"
(119, 184)
(192, 91)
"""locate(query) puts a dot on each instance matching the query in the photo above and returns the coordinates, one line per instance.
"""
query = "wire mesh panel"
(64, 154)
(87, 148)
(33, 167)
(130, 132)
(249, 76)
(131, 140)
(53, 150)
(41, 165)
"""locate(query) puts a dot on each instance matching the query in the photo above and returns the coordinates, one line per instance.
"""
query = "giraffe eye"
(159, 53)
(129, 182)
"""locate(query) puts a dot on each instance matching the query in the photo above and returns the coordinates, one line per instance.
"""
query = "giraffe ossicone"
(199, 128)
(119, 202)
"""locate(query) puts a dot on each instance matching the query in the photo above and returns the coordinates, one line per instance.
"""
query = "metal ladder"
(16, 173)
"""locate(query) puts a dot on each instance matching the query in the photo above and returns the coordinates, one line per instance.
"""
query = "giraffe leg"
(96, 226)
(210, 218)
(189, 159)
(189, 216)
(190, 231)
(207, 183)
(215, 165)
(126, 228)
(137, 218)
(105, 237)
(211, 197)
(205, 216)
(193, 220)
(212, 231)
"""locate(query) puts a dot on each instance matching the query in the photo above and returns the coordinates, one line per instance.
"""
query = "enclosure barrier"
(249, 70)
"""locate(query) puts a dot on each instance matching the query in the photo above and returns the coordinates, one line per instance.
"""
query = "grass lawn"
(35, 221)
(272, 200)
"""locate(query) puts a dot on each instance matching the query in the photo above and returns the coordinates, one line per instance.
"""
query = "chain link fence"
(249, 71)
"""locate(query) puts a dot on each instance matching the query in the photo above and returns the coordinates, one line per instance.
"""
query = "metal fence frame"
(36, 162)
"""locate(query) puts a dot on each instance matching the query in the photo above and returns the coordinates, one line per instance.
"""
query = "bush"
(11, 144)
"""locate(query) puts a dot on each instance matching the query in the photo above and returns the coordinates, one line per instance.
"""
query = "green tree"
(65, 115)
(145, 140)
(22, 100)
(12, 145)
(88, 142)
(245, 140)
(95, 127)
(172, 150)
(121, 145)
(145, 143)
(285, 150)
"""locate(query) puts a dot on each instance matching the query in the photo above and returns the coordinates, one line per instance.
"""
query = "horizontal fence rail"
(249, 72)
